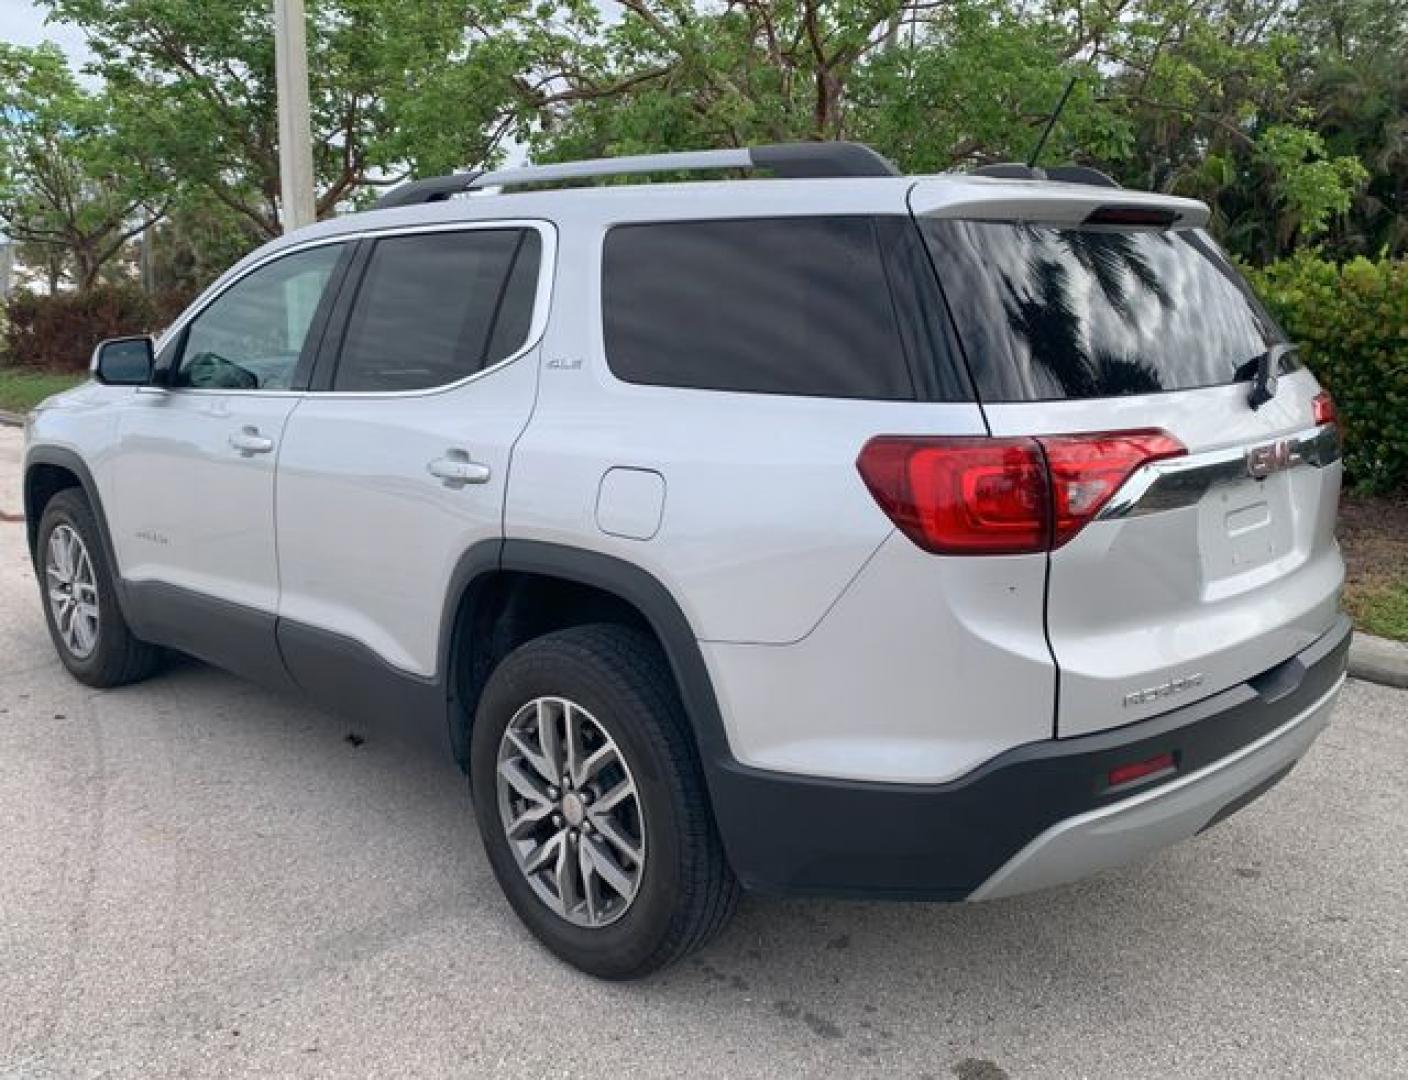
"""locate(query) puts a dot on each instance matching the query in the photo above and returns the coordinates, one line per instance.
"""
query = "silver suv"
(835, 532)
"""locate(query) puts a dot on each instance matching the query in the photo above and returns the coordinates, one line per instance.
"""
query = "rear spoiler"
(1051, 203)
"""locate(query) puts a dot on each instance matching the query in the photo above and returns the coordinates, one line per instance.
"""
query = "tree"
(66, 181)
(1169, 95)
(661, 74)
(395, 88)
(197, 241)
(1351, 76)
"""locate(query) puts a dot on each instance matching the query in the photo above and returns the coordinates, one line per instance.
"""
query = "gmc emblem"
(1262, 461)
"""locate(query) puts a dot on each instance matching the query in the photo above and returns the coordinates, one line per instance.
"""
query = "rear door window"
(1046, 313)
(433, 308)
(772, 306)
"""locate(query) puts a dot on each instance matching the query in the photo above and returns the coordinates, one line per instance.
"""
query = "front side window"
(251, 336)
(795, 306)
(434, 308)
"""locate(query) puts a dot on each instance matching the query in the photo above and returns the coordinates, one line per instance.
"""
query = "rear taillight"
(1002, 496)
(1322, 408)
(1087, 469)
(961, 496)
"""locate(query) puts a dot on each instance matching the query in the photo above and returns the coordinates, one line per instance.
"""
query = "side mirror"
(124, 361)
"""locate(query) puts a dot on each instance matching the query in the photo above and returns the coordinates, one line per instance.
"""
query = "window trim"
(336, 323)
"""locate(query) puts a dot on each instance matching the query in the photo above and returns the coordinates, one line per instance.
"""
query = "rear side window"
(771, 306)
(1046, 313)
(433, 308)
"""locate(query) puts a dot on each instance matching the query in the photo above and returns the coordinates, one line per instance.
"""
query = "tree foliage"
(1210, 100)
(1287, 116)
(68, 187)
(395, 88)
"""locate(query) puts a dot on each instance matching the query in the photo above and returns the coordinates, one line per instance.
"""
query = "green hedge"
(1351, 320)
(56, 333)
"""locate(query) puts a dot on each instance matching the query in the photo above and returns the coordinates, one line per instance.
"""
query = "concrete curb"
(11, 419)
(1379, 660)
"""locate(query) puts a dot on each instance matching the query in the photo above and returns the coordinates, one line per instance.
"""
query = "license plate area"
(1245, 527)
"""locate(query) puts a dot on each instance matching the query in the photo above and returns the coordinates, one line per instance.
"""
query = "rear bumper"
(1139, 825)
(1037, 815)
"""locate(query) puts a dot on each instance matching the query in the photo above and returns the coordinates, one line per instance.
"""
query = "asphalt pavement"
(201, 878)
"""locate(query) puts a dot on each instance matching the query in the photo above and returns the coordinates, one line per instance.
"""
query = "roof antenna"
(1051, 123)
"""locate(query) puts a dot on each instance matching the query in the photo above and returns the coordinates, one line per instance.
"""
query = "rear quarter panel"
(765, 518)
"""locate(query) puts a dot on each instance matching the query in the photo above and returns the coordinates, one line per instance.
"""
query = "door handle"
(456, 469)
(248, 441)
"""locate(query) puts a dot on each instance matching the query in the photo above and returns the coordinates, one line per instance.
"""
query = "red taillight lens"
(1323, 409)
(1002, 496)
(1139, 770)
(961, 496)
(1087, 469)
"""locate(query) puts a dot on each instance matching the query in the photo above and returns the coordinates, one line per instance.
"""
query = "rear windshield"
(1046, 313)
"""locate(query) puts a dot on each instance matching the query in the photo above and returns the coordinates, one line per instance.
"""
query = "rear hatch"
(1087, 310)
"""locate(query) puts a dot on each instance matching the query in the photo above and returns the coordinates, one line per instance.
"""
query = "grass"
(21, 390)
(1381, 609)
(1374, 538)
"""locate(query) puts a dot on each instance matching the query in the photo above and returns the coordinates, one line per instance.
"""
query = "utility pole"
(295, 132)
(146, 271)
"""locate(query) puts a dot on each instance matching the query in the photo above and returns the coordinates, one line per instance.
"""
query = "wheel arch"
(49, 470)
(469, 651)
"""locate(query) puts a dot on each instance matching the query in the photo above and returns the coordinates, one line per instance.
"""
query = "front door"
(192, 503)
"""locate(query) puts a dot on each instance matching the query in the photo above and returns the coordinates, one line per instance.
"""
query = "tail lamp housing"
(1003, 496)
(1323, 411)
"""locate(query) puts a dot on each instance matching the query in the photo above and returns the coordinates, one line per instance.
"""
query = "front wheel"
(80, 598)
(591, 805)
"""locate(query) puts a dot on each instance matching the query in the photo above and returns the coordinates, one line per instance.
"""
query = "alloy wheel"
(571, 811)
(73, 591)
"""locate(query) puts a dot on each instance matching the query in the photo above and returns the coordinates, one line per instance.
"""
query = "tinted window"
(435, 307)
(776, 306)
(1080, 313)
(251, 336)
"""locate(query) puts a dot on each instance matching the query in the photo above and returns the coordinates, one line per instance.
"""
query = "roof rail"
(809, 160)
(1080, 174)
(434, 189)
(791, 160)
(1062, 174)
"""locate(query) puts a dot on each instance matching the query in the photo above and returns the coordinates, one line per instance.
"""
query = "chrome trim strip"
(1179, 482)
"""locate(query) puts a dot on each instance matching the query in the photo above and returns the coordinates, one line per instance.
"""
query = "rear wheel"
(591, 805)
(80, 599)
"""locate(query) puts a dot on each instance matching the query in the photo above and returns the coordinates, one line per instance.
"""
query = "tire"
(685, 891)
(114, 657)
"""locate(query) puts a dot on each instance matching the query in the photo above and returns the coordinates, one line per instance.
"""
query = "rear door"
(395, 463)
(1204, 569)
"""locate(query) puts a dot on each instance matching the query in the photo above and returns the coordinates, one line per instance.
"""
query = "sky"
(22, 23)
